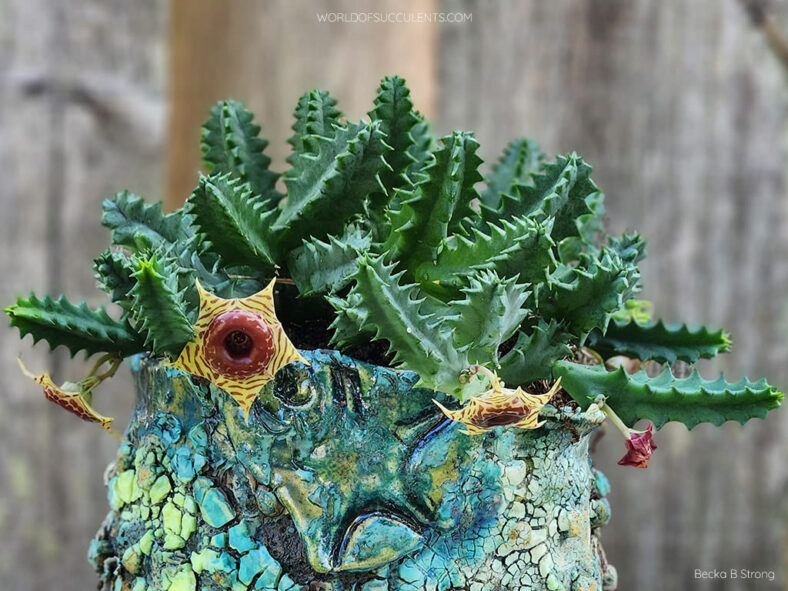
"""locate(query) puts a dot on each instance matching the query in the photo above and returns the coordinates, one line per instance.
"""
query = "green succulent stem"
(386, 235)
(691, 400)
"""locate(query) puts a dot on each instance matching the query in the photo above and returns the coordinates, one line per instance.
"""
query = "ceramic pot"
(345, 477)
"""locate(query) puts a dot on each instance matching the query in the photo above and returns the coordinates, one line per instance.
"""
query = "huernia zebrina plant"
(392, 246)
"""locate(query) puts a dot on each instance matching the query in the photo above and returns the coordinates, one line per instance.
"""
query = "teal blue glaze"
(215, 508)
(602, 483)
(256, 561)
(134, 363)
(227, 563)
(348, 477)
(186, 464)
(374, 538)
(198, 437)
(285, 584)
(241, 537)
(200, 487)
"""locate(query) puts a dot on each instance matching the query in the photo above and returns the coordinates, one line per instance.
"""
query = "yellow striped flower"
(71, 397)
(238, 344)
(499, 407)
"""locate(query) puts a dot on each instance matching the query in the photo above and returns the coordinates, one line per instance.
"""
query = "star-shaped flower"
(238, 344)
(500, 406)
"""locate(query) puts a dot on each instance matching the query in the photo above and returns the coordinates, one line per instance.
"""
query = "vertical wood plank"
(82, 106)
(680, 108)
(269, 53)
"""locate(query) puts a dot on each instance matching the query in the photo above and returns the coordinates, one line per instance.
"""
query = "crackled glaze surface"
(346, 477)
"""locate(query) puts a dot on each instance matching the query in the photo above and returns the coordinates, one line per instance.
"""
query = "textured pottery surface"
(346, 477)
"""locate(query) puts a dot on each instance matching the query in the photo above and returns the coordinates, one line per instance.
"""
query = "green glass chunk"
(146, 542)
(183, 581)
(203, 560)
(172, 518)
(126, 487)
(160, 489)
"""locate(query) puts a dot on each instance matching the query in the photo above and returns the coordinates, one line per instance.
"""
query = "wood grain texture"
(679, 105)
(271, 54)
(82, 107)
(681, 109)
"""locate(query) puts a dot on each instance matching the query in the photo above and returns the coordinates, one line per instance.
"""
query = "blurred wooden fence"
(82, 113)
(679, 105)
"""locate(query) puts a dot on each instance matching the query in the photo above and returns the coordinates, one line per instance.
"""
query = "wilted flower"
(640, 446)
(238, 344)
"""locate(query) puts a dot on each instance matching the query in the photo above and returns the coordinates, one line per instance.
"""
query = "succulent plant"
(385, 235)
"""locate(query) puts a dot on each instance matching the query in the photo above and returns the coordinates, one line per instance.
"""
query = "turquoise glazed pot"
(346, 477)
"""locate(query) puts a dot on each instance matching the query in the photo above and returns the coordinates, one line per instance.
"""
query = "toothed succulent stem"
(387, 235)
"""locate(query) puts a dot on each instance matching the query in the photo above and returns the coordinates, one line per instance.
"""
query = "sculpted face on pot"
(361, 472)
(345, 477)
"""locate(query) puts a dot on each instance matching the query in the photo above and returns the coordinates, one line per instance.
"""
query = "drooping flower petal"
(238, 344)
(640, 447)
(70, 399)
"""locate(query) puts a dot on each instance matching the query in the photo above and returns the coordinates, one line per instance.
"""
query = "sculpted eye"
(293, 387)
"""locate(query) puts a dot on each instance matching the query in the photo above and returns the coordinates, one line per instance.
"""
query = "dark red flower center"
(239, 343)
(499, 419)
